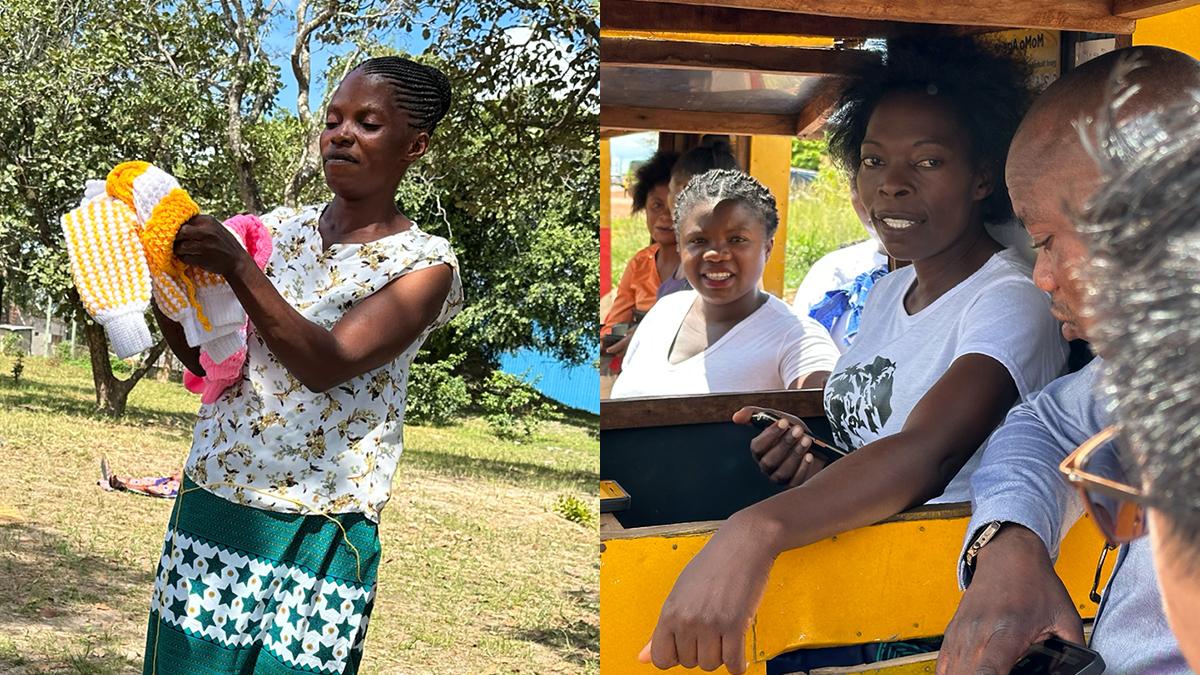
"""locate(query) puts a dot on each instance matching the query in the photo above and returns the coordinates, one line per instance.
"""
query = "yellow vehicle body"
(896, 580)
(892, 581)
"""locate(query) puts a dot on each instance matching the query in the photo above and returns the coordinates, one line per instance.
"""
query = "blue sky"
(630, 148)
(279, 42)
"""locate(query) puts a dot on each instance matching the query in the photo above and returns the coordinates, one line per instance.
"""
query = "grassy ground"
(820, 220)
(480, 574)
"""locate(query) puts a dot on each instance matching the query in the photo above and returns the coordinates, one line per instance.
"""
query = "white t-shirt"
(767, 350)
(898, 357)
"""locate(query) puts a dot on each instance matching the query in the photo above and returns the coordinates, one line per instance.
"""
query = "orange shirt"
(638, 288)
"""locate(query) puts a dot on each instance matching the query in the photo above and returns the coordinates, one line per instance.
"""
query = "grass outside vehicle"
(482, 572)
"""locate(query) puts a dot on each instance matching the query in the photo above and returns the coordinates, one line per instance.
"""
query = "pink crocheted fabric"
(220, 376)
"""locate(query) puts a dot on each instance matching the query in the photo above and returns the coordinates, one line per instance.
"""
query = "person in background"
(835, 289)
(712, 153)
(1021, 506)
(726, 335)
(644, 273)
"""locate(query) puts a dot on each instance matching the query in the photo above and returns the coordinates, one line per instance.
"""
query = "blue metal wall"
(576, 386)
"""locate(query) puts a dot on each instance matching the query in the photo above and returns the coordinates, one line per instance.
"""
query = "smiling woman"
(726, 335)
(272, 549)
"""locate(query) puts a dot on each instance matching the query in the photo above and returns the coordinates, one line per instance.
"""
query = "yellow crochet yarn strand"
(175, 529)
(119, 183)
(158, 237)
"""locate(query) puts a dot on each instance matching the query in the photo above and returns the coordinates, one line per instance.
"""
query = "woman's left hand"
(705, 618)
(204, 242)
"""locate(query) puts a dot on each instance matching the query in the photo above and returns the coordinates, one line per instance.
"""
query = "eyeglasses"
(1116, 506)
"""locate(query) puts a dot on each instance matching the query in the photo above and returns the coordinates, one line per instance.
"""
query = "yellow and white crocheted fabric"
(108, 266)
(201, 302)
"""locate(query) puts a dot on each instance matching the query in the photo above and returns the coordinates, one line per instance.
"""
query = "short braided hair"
(420, 90)
(721, 185)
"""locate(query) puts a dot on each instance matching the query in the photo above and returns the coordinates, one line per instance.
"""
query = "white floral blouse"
(270, 442)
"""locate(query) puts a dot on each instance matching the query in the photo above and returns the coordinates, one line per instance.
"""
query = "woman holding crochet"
(270, 558)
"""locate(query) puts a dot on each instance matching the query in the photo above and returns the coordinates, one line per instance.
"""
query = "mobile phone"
(1056, 657)
(609, 340)
(761, 420)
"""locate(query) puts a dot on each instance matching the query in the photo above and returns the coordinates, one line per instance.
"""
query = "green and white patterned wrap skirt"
(243, 590)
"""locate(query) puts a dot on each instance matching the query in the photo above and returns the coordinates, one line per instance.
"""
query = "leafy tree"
(807, 154)
(83, 87)
(188, 85)
(513, 176)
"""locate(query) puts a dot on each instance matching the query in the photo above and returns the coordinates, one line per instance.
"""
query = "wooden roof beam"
(1140, 9)
(657, 16)
(634, 53)
(816, 109)
(693, 122)
(1080, 15)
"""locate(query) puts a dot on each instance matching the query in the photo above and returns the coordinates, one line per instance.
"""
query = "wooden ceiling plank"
(1080, 15)
(636, 53)
(1141, 9)
(657, 16)
(627, 118)
(812, 116)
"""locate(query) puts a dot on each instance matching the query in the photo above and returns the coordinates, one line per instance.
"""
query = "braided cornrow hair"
(720, 185)
(420, 90)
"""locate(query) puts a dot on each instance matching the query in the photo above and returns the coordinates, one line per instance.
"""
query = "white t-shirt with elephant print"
(898, 357)
(269, 441)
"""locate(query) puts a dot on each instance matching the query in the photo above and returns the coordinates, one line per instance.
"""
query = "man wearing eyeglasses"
(1143, 228)
(1023, 505)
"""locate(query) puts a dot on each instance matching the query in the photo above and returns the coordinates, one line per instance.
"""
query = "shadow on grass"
(582, 419)
(44, 578)
(578, 641)
(63, 399)
(520, 473)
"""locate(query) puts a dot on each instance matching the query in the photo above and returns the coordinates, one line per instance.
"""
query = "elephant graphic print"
(860, 398)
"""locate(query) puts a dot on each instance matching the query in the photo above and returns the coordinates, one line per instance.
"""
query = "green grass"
(820, 220)
(479, 570)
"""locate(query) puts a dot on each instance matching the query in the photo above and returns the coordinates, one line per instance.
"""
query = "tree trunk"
(112, 394)
(243, 164)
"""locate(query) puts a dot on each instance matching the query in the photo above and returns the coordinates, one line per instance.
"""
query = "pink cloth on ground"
(220, 376)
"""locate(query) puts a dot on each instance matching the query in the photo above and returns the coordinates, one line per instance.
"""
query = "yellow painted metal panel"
(771, 164)
(1178, 30)
(721, 38)
(893, 581)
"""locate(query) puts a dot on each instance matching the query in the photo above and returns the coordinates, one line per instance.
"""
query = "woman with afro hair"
(946, 345)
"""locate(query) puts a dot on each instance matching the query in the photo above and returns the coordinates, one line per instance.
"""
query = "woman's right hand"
(619, 347)
(782, 449)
